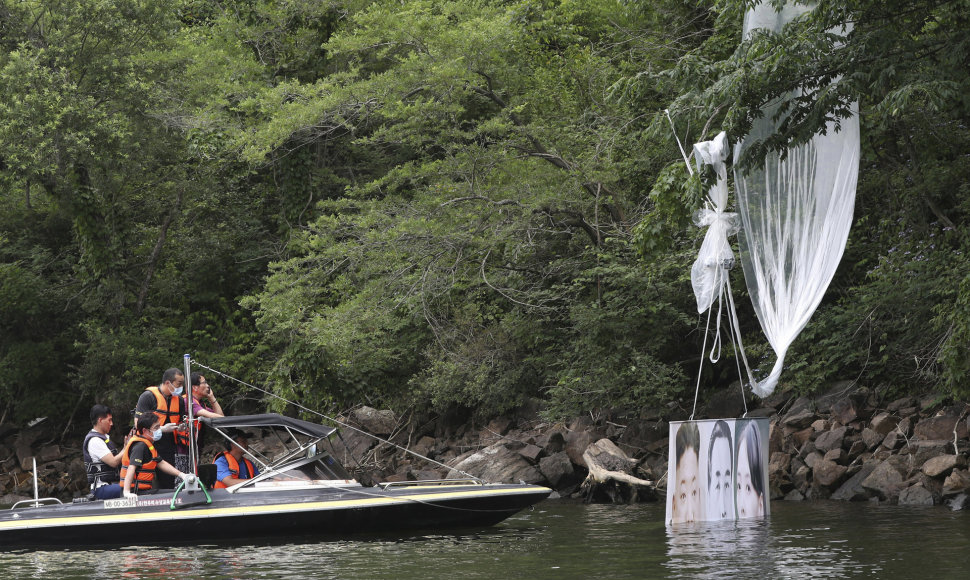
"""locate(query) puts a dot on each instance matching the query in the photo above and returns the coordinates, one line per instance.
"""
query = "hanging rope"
(331, 419)
(697, 387)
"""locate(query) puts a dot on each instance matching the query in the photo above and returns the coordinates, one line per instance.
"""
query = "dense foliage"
(429, 203)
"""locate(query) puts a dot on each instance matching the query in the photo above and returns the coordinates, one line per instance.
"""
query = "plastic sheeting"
(708, 274)
(795, 217)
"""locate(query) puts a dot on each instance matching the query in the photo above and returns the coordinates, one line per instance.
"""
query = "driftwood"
(611, 474)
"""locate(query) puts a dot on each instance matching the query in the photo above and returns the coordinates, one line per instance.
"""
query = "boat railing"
(37, 501)
(424, 482)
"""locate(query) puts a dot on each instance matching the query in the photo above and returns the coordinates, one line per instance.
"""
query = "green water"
(567, 540)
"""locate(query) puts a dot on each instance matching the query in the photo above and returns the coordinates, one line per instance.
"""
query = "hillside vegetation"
(432, 204)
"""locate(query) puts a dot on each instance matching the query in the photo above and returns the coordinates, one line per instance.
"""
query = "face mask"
(178, 391)
(157, 434)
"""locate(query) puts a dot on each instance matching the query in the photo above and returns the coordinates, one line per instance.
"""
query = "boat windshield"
(319, 467)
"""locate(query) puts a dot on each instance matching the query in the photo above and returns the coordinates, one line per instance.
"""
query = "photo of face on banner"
(751, 470)
(684, 483)
(720, 473)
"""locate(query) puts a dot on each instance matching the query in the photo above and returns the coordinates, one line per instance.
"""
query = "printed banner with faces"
(718, 470)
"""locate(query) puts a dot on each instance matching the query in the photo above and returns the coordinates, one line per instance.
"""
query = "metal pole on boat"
(190, 399)
(36, 494)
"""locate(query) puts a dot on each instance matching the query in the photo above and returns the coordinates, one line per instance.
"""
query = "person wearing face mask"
(165, 402)
(140, 461)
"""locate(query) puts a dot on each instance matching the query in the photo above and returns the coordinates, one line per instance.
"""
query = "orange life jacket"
(233, 468)
(169, 412)
(145, 474)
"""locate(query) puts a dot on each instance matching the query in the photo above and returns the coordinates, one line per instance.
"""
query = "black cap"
(233, 432)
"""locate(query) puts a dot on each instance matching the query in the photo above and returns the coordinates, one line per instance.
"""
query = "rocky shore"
(848, 444)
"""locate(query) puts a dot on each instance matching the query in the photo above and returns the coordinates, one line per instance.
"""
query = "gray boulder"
(885, 481)
(942, 465)
(916, 495)
(576, 444)
(852, 489)
(497, 464)
(830, 439)
(871, 438)
(556, 468)
(827, 473)
(883, 423)
(940, 428)
(956, 483)
(923, 451)
(380, 423)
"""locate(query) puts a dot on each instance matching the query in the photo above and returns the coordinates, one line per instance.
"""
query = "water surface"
(568, 540)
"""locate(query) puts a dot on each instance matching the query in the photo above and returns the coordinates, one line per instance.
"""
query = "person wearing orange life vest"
(231, 466)
(140, 461)
(166, 403)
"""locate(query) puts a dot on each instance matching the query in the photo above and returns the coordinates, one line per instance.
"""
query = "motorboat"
(301, 490)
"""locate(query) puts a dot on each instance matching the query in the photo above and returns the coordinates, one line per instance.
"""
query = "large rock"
(956, 483)
(350, 447)
(800, 438)
(943, 464)
(49, 453)
(847, 410)
(576, 444)
(776, 438)
(885, 481)
(916, 495)
(424, 446)
(852, 489)
(883, 423)
(923, 451)
(835, 456)
(779, 463)
(894, 440)
(381, 423)
(497, 464)
(531, 453)
(827, 473)
(830, 439)
(556, 468)
(640, 433)
(940, 428)
(905, 426)
(799, 419)
(821, 425)
(552, 442)
(801, 478)
(812, 458)
(902, 403)
(871, 438)
(855, 450)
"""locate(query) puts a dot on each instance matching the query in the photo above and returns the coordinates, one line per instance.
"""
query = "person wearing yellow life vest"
(231, 466)
(165, 402)
(140, 462)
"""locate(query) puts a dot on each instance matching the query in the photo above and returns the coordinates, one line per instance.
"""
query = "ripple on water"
(567, 540)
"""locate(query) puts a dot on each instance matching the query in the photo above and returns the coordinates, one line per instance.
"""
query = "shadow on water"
(565, 540)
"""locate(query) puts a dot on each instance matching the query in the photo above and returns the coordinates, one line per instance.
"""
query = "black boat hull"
(261, 514)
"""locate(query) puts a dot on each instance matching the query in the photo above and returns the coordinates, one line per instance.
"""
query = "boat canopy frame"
(311, 432)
